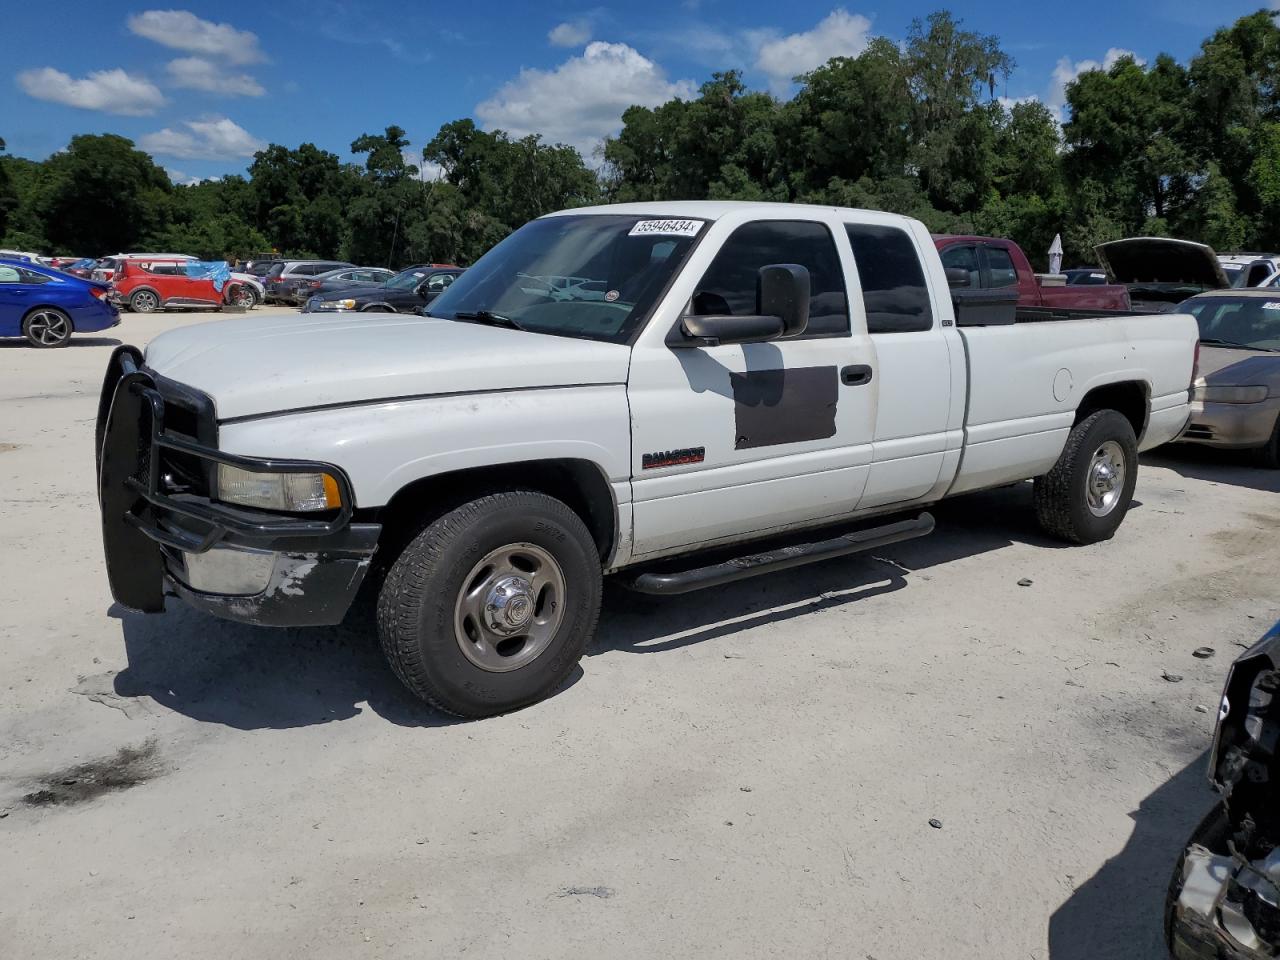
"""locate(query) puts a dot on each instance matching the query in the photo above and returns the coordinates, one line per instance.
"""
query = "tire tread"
(400, 600)
(1054, 496)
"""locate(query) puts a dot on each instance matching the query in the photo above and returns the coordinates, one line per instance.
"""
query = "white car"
(1251, 269)
(752, 372)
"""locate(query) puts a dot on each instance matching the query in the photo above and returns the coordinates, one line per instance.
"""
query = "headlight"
(337, 305)
(1211, 394)
(289, 492)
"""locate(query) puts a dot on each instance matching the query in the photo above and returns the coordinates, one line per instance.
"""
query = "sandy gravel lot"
(744, 773)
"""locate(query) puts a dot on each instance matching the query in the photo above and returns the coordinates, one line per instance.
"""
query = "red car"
(146, 285)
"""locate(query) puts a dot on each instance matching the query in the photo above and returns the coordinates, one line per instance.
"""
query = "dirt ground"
(744, 773)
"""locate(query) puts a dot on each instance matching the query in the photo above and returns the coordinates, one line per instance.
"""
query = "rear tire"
(1086, 495)
(144, 301)
(491, 606)
(47, 327)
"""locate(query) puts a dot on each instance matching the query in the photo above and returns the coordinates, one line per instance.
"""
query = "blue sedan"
(46, 306)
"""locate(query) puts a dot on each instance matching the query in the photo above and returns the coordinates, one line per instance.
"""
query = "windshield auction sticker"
(666, 228)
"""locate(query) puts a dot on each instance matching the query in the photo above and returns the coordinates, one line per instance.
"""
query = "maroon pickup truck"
(988, 263)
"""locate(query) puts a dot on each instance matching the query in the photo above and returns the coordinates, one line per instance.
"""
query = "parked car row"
(408, 291)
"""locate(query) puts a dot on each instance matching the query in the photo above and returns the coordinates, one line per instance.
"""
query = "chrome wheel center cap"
(509, 606)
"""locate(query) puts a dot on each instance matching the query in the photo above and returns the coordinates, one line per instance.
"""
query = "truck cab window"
(729, 285)
(894, 292)
(1000, 267)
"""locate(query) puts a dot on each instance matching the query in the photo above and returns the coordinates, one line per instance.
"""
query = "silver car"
(1236, 398)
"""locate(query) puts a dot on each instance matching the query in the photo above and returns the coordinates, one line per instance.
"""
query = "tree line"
(1189, 150)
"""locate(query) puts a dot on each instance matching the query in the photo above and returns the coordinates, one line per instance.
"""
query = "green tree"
(102, 195)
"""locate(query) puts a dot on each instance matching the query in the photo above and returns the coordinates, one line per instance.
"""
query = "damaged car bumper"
(1224, 898)
(1232, 426)
(163, 533)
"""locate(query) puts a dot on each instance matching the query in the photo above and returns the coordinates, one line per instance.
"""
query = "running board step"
(740, 568)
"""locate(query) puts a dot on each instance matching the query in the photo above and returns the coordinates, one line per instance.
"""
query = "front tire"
(1268, 456)
(491, 606)
(47, 327)
(1086, 495)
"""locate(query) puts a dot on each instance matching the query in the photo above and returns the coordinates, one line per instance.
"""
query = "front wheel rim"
(48, 328)
(509, 607)
(1104, 484)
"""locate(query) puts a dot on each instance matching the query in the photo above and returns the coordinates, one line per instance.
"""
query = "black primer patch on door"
(791, 405)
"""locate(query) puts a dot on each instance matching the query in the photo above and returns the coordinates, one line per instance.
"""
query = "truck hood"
(251, 367)
(1143, 260)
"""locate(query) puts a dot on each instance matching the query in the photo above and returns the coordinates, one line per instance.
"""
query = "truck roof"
(715, 209)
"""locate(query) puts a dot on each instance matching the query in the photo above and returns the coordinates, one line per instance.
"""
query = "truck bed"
(1027, 380)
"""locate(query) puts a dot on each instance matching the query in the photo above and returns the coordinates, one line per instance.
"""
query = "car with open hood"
(1236, 396)
(1161, 272)
(1224, 897)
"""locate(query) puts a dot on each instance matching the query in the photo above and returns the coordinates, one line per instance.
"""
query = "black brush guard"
(140, 519)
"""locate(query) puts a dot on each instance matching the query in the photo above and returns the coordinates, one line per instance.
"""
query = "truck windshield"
(587, 276)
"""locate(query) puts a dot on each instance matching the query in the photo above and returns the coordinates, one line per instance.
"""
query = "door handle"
(855, 375)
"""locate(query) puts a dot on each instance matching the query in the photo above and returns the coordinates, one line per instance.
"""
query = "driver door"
(738, 440)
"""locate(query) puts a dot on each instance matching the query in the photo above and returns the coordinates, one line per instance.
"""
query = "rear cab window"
(1000, 267)
(894, 291)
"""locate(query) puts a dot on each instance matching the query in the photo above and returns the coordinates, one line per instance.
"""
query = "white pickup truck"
(721, 382)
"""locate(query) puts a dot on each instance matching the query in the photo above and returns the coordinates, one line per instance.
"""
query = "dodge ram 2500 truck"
(731, 379)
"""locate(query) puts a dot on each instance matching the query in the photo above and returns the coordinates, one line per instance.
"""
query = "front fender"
(386, 446)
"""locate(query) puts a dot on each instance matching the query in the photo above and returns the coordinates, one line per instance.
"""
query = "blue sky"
(202, 86)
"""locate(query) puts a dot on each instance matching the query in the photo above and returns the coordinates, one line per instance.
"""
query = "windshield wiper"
(1215, 342)
(488, 318)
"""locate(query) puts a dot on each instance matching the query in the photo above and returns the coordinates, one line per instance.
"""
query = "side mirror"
(957, 277)
(782, 310)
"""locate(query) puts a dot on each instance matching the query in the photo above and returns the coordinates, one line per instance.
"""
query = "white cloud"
(574, 33)
(1010, 102)
(1067, 72)
(427, 171)
(581, 101)
(195, 73)
(183, 30)
(213, 139)
(184, 179)
(839, 34)
(112, 91)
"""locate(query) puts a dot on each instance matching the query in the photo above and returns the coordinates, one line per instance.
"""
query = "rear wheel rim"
(144, 302)
(1104, 484)
(48, 328)
(509, 607)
